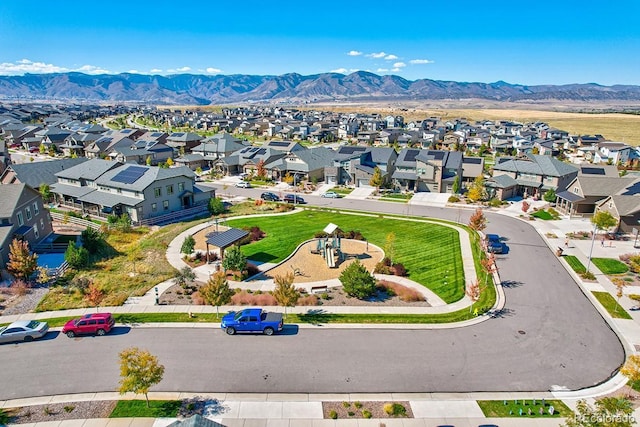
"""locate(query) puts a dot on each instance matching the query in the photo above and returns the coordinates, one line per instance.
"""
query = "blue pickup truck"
(252, 320)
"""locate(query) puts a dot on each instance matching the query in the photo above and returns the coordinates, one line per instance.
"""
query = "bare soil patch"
(61, 411)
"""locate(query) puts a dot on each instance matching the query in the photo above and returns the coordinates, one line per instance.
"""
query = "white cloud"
(377, 55)
(390, 57)
(212, 70)
(382, 70)
(396, 70)
(421, 61)
(340, 71)
(27, 66)
(155, 70)
(354, 53)
(134, 72)
(399, 65)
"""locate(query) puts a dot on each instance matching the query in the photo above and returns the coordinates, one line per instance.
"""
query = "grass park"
(134, 261)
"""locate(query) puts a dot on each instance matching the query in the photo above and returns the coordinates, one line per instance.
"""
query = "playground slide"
(331, 259)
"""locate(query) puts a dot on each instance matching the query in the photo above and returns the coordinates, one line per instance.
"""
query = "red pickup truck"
(89, 324)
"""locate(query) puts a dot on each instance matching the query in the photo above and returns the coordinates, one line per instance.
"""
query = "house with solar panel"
(434, 171)
(531, 175)
(184, 141)
(146, 193)
(355, 165)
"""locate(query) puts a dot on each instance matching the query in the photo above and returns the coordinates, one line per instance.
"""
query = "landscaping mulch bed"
(57, 411)
(376, 408)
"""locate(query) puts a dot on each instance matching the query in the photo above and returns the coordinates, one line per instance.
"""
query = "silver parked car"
(23, 330)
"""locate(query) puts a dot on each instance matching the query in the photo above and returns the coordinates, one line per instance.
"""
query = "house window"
(36, 231)
(181, 187)
(36, 210)
(20, 219)
(610, 205)
(157, 191)
(575, 190)
(154, 207)
(28, 211)
(169, 190)
(165, 205)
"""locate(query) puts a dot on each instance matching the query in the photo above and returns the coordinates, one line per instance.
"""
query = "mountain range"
(191, 89)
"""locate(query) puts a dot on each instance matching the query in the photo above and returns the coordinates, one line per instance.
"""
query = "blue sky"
(526, 42)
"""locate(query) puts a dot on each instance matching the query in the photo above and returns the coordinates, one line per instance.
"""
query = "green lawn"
(498, 409)
(575, 264)
(342, 190)
(138, 408)
(430, 252)
(610, 265)
(611, 305)
(542, 214)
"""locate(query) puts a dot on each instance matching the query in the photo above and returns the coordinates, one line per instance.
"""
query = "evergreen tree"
(357, 281)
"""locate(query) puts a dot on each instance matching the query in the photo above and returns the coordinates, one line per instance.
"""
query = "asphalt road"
(549, 336)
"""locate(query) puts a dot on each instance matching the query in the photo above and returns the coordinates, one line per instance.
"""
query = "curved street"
(549, 336)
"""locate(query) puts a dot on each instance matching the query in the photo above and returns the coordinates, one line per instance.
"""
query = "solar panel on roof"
(593, 171)
(178, 134)
(129, 175)
(156, 134)
(279, 144)
(411, 155)
(126, 131)
(261, 151)
(472, 160)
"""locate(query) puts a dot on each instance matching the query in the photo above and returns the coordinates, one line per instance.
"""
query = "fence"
(73, 220)
(183, 214)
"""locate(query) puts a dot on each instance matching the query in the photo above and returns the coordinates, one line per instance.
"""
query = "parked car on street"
(252, 320)
(494, 244)
(331, 195)
(293, 198)
(89, 324)
(23, 330)
(243, 184)
(269, 196)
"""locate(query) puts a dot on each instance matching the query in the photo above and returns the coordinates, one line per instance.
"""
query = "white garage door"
(364, 183)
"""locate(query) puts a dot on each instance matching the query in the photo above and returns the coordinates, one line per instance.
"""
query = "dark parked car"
(494, 244)
(293, 198)
(271, 197)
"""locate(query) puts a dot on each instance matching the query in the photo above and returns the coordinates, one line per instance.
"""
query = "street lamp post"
(593, 240)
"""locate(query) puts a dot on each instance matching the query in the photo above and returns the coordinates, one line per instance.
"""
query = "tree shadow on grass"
(316, 317)
(262, 257)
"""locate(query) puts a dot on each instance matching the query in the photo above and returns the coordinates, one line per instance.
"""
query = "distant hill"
(190, 89)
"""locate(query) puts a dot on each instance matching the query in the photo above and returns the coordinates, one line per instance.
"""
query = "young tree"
(473, 291)
(187, 245)
(170, 162)
(357, 281)
(76, 257)
(390, 246)
(455, 187)
(608, 412)
(234, 260)
(476, 190)
(92, 240)
(478, 221)
(285, 293)
(216, 207)
(199, 170)
(148, 161)
(377, 179)
(139, 371)
(261, 171)
(603, 220)
(620, 284)
(45, 192)
(549, 196)
(185, 276)
(216, 291)
(22, 263)
(631, 369)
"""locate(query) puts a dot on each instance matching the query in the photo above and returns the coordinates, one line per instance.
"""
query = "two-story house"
(22, 216)
(427, 170)
(614, 153)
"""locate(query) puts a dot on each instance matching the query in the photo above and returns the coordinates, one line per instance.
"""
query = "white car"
(243, 184)
(331, 195)
(23, 330)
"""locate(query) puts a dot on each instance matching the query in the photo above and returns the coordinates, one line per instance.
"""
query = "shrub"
(333, 414)
(357, 281)
(187, 245)
(366, 413)
(92, 240)
(398, 269)
(245, 298)
(494, 203)
(69, 408)
(405, 293)
(395, 409)
(587, 275)
(20, 287)
(308, 300)
(252, 270)
(76, 257)
(351, 413)
(453, 199)
(357, 404)
(634, 297)
(346, 404)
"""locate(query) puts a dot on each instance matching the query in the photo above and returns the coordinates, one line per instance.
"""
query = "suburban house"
(184, 141)
(531, 175)
(355, 164)
(35, 174)
(22, 216)
(217, 146)
(304, 164)
(101, 187)
(613, 153)
(626, 209)
(472, 167)
(142, 152)
(427, 170)
(585, 193)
